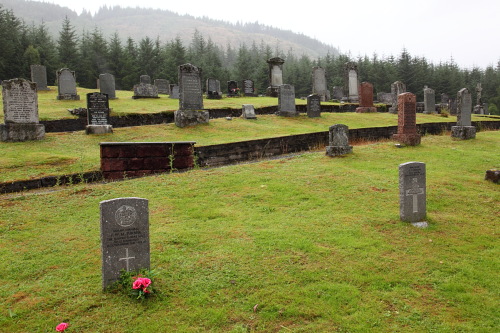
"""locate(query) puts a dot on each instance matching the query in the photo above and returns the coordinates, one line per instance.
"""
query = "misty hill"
(140, 22)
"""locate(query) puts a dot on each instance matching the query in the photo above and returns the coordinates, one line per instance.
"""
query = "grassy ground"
(299, 244)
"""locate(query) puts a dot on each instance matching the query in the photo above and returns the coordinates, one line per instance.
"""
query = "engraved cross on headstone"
(127, 258)
(415, 191)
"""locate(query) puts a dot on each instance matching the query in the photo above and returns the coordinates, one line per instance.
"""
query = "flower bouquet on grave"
(138, 284)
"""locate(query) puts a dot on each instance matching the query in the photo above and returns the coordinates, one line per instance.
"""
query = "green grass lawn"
(299, 244)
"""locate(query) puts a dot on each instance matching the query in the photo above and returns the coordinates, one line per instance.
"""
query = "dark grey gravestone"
(248, 111)
(463, 130)
(174, 92)
(124, 237)
(412, 192)
(232, 88)
(444, 98)
(429, 101)
(313, 106)
(338, 141)
(248, 88)
(319, 83)
(397, 88)
(384, 97)
(338, 93)
(66, 85)
(39, 76)
(163, 86)
(190, 111)
(145, 79)
(98, 114)
(20, 108)
(213, 89)
(107, 85)
(286, 101)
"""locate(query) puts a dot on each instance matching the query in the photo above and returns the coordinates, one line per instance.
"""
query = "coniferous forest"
(90, 53)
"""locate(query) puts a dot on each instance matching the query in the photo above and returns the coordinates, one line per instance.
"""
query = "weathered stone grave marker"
(463, 130)
(338, 141)
(313, 106)
(66, 85)
(107, 85)
(275, 76)
(124, 237)
(98, 114)
(39, 76)
(351, 81)
(190, 98)
(248, 111)
(286, 101)
(213, 89)
(366, 98)
(232, 88)
(338, 93)
(174, 92)
(20, 108)
(429, 101)
(319, 86)
(163, 86)
(145, 89)
(407, 120)
(412, 192)
(248, 88)
(397, 88)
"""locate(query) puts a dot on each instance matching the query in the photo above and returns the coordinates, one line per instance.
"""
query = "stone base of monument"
(407, 139)
(333, 151)
(365, 109)
(68, 97)
(139, 96)
(21, 132)
(463, 132)
(184, 118)
(288, 113)
(98, 129)
(493, 176)
(272, 91)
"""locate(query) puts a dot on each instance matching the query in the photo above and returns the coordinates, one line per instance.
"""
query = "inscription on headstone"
(313, 106)
(107, 85)
(97, 109)
(248, 88)
(190, 94)
(39, 76)
(124, 237)
(412, 192)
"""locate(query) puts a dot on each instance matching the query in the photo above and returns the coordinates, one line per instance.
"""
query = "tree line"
(90, 53)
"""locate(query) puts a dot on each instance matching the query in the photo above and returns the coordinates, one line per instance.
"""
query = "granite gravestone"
(232, 88)
(275, 76)
(163, 86)
(444, 98)
(107, 85)
(464, 129)
(145, 89)
(39, 76)
(20, 108)
(145, 79)
(319, 83)
(351, 81)
(124, 237)
(397, 88)
(248, 111)
(366, 98)
(338, 141)
(338, 93)
(407, 120)
(412, 192)
(248, 88)
(98, 114)
(384, 97)
(313, 106)
(190, 98)
(429, 101)
(479, 107)
(174, 92)
(213, 89)
(66, 85)
(286, 101)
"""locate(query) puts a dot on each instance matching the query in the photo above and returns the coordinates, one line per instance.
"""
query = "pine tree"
(67, 46)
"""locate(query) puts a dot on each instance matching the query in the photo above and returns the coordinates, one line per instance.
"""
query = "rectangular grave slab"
(412, 192)
(286, 101)
(39, 76)
(124, 237)
(314, 106)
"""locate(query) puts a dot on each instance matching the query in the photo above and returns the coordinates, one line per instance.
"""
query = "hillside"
(167, 25)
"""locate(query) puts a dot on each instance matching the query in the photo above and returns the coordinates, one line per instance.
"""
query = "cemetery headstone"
(286, 101)
(163, 86)
(39, 76)
(366, 98)
(444, 98)
(66, 85)
(407, 116)
(338, 93)
(107, 85)
(319, 83)
(145, 79)
(463, 130)
(338, 141)
(397, 88)
(98, 114)
(174, 92)
(213, 89)
(412, 192)
(429, 101)
(313, 106)
(479, 108)
(20, 108)
(452, 105)
(248, 111)
(232, 88)
(351, 81)
(124, 237)
(248, 88)
(384, 97)
(145, 89)
(190, 98)
(275, 76)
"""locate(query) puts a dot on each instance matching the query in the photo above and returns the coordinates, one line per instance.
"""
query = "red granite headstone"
(366, 98)
(407, 120)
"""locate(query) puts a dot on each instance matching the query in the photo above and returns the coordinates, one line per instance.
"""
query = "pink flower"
(61, 327)
(141, 283)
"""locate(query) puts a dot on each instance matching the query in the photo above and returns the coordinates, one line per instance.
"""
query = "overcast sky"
(467, 31)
